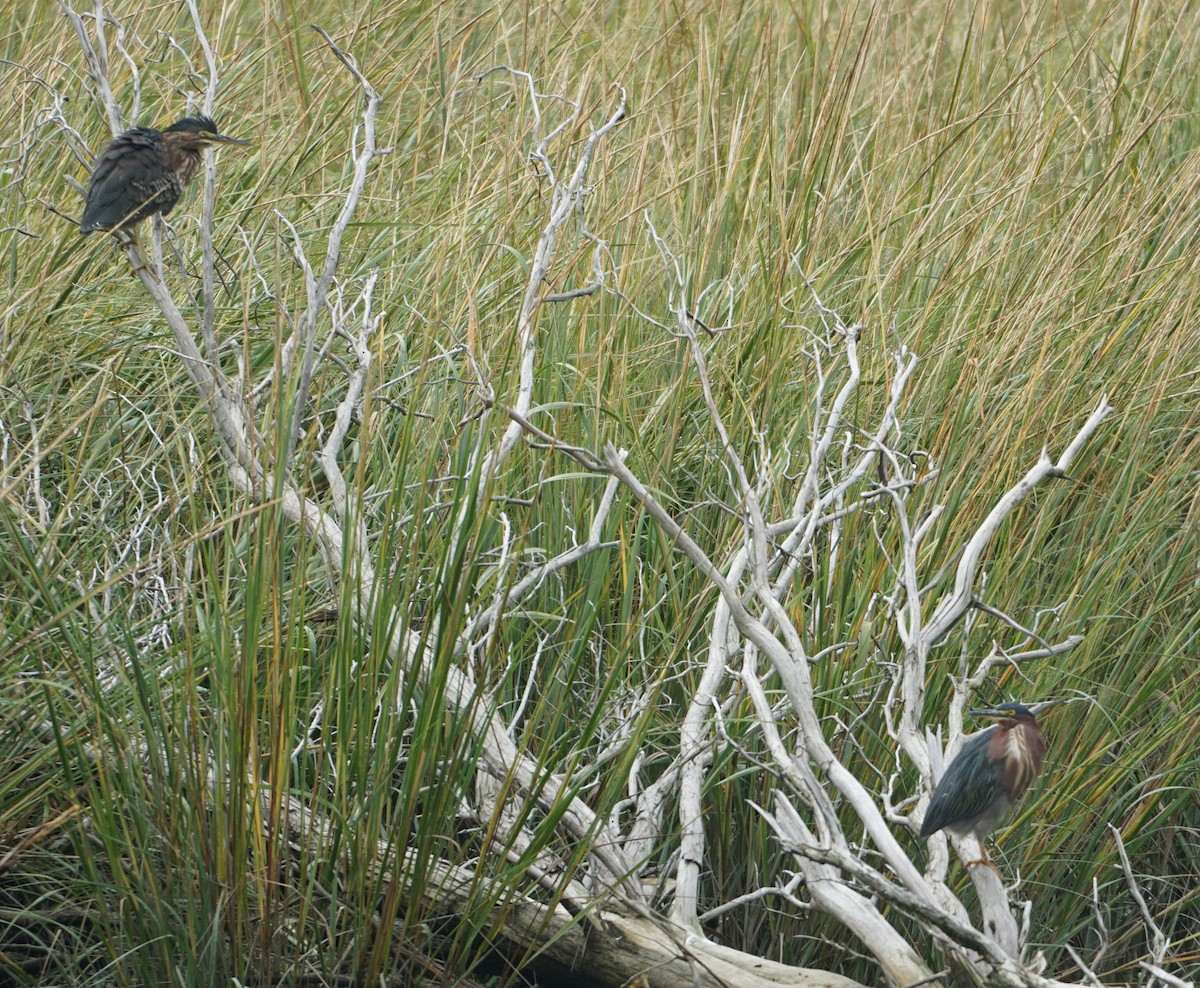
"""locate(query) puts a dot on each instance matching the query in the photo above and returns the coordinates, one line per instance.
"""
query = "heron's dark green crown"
(197, 125)
(194, 134)
(1017, 711)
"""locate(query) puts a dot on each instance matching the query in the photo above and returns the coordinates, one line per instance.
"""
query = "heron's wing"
(967, 787)
(131, 180)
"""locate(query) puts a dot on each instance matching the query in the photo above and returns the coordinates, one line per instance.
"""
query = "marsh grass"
(1009, 190)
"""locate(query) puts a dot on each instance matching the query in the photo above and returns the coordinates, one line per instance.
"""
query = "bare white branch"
(952, 607)
(1157, 940)
(208, 255)
(306, 323)
(566, 200)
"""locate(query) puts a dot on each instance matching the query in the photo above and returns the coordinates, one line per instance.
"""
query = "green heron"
(989, 774)
(144, 171)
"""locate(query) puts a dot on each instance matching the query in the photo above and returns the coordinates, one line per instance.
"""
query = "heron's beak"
(225, 139)
(992, 714)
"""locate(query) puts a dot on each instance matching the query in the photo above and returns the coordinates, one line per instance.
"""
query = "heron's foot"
(985, 860)
(136, 253)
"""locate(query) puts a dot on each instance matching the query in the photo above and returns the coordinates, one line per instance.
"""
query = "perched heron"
(144, 171)
(989, 774)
